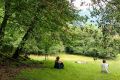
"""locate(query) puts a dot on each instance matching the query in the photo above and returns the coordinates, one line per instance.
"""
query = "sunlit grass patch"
(73, 71)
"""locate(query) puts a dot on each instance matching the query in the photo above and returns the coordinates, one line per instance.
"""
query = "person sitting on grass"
(58, 64)
(104, 66)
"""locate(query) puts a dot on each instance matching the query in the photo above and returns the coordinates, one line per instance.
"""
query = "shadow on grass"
(10, 68)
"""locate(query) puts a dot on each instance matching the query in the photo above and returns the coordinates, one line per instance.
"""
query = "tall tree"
(49, 15)
(108, 13)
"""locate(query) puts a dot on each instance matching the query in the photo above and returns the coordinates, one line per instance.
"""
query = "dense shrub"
(7, 48)
(69, 50)
(95, 52)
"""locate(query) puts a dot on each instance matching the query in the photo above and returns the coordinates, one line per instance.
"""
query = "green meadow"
(88, 70)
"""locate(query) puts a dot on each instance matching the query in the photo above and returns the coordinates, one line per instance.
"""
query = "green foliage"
(1, 14)
(31, 24)
(90, 41)
(58, 48)
(39, 26)
(108, 13)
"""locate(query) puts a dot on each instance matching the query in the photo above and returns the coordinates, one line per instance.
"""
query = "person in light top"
(104, 67)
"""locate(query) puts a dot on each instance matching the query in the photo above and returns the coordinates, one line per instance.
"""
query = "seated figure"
(58, 64)
(104, 67)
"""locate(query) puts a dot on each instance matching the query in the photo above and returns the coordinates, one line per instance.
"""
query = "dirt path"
(6, 73)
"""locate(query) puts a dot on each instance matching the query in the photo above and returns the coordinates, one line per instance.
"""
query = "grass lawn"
(73, 71)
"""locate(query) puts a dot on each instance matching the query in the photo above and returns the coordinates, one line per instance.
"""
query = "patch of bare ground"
(7, 72)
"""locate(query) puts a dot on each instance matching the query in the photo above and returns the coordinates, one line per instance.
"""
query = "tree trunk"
(104, 32)
(25, 37)
(5, 19)
(3, 24)
(30, 29)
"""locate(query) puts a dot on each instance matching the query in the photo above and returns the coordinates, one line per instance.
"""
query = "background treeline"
(45, 27)
(88, 40)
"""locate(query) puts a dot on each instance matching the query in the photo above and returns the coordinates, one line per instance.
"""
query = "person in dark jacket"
(58, 64)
